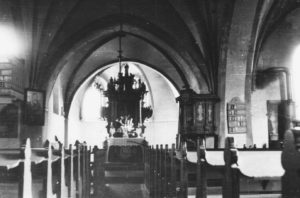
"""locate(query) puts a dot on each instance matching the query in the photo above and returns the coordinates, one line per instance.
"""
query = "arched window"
(11, 43)
(295, 75)
(91, 105)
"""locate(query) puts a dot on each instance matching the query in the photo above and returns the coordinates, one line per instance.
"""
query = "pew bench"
(44, 173)
(228, 173)
(260, 172)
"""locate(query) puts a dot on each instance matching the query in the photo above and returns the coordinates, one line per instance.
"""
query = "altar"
(125, 150)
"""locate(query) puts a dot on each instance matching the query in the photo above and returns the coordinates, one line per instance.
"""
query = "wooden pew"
(51, 169)
(173, 171)
(183, 180)
(162, 166)
(16, 172)
(98, 173)
(165, 171)
(291, 164)
(70, 178)
(245, 172)
(227, 172)
(59, 166)
(147, 168)
(82, 170)
(78, 172)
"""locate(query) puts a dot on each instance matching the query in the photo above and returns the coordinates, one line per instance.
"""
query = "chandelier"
(125, 112)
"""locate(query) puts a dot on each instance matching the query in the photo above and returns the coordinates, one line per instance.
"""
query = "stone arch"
(165, 108)
(179, 57)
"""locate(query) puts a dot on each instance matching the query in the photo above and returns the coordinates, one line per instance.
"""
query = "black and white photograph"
(149, 98)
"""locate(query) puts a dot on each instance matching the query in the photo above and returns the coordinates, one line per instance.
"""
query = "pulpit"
(196, 118)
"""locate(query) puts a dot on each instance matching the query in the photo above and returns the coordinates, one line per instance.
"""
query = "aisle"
(125, 191)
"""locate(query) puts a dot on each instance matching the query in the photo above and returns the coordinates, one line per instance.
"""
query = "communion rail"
(228, 173)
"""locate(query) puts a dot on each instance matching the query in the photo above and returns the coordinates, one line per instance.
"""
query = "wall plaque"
(34, 107)
(236, 116)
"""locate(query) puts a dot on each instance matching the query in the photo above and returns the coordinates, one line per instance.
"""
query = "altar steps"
(124, 176)
(125, 191)
(123, 173)
(124, 180)
(122, 166)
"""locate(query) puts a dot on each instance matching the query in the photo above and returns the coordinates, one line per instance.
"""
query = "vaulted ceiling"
(186, 40)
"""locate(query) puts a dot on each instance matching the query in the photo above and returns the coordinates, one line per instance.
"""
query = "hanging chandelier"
(125, 112)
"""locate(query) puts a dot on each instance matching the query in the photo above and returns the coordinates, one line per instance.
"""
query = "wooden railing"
(161, 168)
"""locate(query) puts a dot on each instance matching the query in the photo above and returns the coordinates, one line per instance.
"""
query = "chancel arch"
(158, 49)
(160, 127)
(99, 48)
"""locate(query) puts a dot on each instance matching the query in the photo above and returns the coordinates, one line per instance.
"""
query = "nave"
(158, 98)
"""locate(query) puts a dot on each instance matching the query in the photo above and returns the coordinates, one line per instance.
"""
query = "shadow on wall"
(265, 78)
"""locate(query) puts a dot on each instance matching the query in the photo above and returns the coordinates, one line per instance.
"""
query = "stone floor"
(125, 191)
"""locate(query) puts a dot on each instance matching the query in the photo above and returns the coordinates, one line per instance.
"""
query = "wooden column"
(201, 170)
(231, 186)
(291, 164)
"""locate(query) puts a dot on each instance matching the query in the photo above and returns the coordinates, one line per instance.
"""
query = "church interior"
(149, 98)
